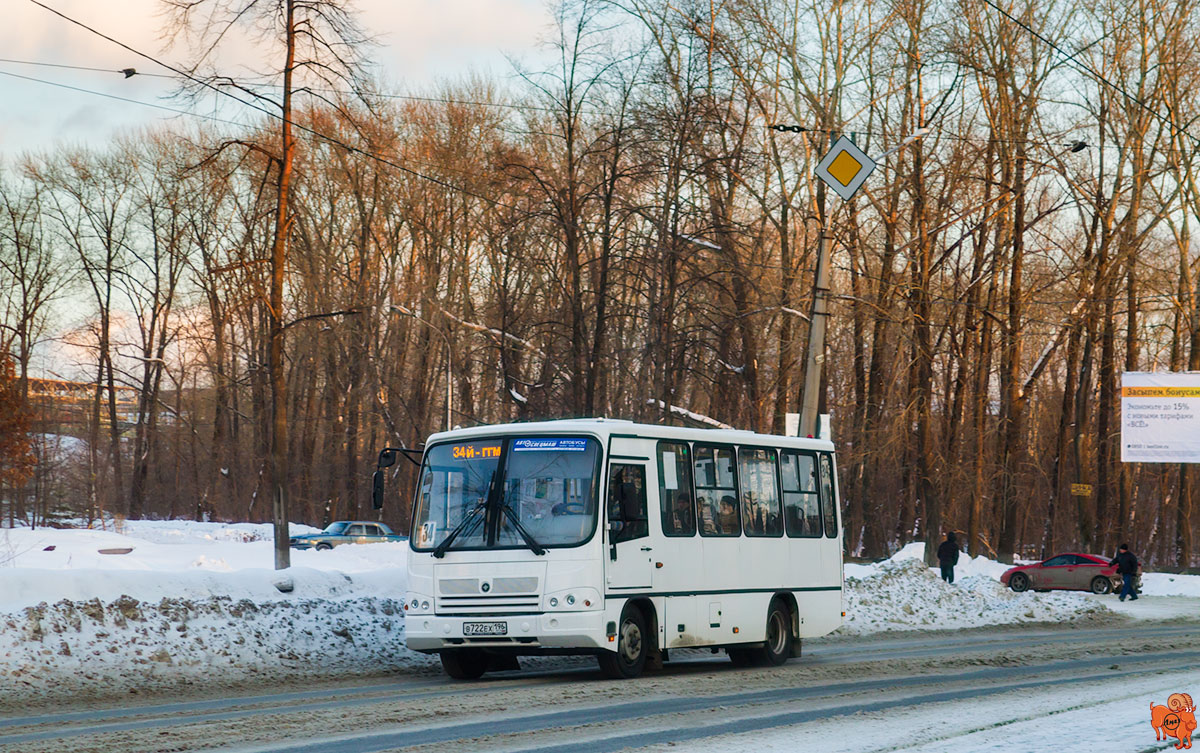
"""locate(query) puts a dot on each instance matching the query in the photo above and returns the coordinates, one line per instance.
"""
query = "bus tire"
(777, 647)
(632, 647)
(464, 663)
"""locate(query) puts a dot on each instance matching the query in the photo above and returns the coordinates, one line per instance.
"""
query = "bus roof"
(607, 427)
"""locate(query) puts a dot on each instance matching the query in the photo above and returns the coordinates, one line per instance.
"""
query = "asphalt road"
(565, 705)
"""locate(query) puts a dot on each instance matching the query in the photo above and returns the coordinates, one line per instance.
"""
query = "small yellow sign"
(844, 167)
(1081, 490)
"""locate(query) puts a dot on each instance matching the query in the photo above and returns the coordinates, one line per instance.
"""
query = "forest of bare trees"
(617, 232)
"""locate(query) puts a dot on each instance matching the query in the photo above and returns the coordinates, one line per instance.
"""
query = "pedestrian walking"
(947, 555)
(1127, 566)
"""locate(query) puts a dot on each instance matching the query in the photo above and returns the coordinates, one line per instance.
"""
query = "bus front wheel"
(464, 663)
(632, 647)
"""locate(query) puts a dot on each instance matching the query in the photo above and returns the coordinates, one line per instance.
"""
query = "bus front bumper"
(560, 630)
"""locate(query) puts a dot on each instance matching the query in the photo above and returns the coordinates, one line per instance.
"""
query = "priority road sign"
(845, 168)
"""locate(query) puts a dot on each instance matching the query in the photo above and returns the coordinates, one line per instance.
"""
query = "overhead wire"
(189, 113)
(1079, 65)
(865, 132)
(127, 72)
(299, 126)
(120, 98)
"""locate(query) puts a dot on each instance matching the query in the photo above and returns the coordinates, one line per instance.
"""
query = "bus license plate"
(485, 628)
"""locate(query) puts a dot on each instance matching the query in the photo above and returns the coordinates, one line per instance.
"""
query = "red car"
(1068, 572)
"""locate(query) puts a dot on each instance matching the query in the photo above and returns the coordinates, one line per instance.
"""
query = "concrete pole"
(816, 335)
(449, 383)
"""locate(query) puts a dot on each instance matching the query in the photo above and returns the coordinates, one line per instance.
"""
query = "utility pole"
(818, 318)
(844, 168)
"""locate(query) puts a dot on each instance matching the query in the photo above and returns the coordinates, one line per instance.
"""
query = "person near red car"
(947, 555)
(1127, 566)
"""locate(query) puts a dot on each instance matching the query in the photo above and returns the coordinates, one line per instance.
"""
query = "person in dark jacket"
(1127, 566)
(948, 557)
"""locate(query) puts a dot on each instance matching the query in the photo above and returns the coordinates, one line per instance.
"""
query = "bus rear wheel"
(464, 663)
(778, 644)
(775, 649)
(632, 647)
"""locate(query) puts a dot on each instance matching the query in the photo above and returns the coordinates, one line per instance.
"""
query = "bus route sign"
(550, 444)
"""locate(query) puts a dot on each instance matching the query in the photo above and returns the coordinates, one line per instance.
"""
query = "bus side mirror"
(387, 458)
(377, 490)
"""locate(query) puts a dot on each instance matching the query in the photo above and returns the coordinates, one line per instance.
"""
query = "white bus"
(621, 540)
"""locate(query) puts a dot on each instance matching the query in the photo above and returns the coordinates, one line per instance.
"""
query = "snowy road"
(1004, 688)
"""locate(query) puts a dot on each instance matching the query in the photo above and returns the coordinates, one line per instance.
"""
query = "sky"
(420, 42)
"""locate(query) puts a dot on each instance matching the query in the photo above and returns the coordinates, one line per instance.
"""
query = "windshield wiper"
(529, 540)
(440, 550)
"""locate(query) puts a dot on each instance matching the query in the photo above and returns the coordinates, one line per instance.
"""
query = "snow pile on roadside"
(81, 648)
(190, 603)
(1170, 584)
(903, 594)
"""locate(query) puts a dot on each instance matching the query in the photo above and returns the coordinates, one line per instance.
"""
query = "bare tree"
(319, 43)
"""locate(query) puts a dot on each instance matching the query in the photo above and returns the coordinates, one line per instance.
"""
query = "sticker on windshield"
(428, 532)
(550, 444)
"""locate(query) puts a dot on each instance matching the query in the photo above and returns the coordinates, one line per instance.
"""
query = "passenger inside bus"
(681, 514)
(728, 519)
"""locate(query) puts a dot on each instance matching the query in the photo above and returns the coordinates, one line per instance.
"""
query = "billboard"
(1160, 417)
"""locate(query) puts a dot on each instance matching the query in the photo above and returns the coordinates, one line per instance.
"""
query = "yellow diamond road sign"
(845, 168)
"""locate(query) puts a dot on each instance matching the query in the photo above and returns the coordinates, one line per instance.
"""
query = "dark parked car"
(1068, 572)
(346, 532)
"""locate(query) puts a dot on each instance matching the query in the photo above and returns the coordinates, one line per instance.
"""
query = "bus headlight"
(417, 604)
(574, 600)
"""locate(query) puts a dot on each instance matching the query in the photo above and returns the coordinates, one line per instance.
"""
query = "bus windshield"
(547, 489)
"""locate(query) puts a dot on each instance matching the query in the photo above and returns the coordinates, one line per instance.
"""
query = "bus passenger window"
(627, 501)
(760, 492)
(828, 503)
(716, 491)
(801, 505)
(675, 489)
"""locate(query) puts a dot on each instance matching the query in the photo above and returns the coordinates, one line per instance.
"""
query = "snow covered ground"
(198, 600)
(1104, 717)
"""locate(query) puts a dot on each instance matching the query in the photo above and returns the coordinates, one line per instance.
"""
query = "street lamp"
(402, 311)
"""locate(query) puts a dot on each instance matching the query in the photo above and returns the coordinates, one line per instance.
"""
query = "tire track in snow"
(840, 652)
(1087, 670)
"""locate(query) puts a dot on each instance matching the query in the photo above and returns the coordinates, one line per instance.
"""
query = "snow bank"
(178, 602)
(1169, 584)
(903, 594)
(197, 602)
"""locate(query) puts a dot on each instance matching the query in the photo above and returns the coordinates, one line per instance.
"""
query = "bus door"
(628, 563)
(832, 546)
